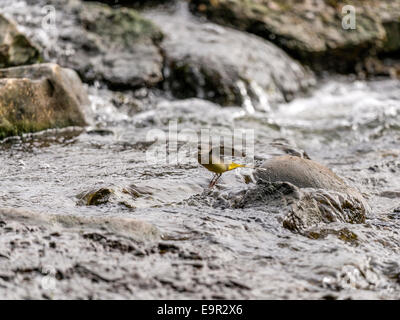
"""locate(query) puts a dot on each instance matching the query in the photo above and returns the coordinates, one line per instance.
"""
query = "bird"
(211, 159)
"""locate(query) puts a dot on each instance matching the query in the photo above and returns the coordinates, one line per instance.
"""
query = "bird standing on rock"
(212, 159)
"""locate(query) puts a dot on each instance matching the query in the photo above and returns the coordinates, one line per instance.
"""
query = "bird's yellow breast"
(213, 163)
(216, 167)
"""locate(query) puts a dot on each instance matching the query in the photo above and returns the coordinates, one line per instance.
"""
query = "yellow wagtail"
(212, 161)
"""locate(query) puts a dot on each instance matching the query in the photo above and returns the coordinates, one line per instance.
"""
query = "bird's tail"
(236, 165)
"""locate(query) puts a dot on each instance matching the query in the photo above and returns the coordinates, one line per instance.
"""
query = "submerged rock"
(114, 45)
(147, 194)
(303, 173)
(312, 31)
(223, 65)
(15, 48)
(137, 229)
(97, 197)
(38, 97)
(304, 208)
(311, 207)
(312, 193)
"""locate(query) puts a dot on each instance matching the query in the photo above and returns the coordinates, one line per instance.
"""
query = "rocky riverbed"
(94, 203)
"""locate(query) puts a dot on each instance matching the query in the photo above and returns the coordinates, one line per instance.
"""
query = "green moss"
(123, 23)
(347, 235)
(343, 234)
(392, 30)
(98, 197)
(15, 48)
(23, 52)
(20, 127)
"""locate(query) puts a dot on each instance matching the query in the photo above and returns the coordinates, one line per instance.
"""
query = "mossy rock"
(122, 24)
(116, 46)
(312, 31)
(15, 48)
(107, 195)
(38, 97)
(97, 197)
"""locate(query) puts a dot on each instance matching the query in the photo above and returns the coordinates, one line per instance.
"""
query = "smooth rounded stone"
(15, 48)
(137, 229)
(303, 173)
(147, 194)
(223, 65)
(312, 30)
(306, 192)
(41, 96)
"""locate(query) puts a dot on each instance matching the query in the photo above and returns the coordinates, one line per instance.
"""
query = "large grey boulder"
(114, 45)
(223, 65)
(312, 30)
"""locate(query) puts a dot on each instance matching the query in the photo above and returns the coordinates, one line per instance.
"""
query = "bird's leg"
(217, 176)
(212, 180)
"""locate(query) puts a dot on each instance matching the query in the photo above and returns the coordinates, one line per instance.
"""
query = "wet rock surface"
(116, 45)
(312, 207)
(136, 229)
(305, 208)
(56, 266)
(312, 31)
(220, 64)
(39, 97)
(15, 48)
(143, 195)
(303, 173)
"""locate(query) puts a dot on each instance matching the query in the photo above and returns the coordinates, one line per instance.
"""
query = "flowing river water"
(351, 126)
